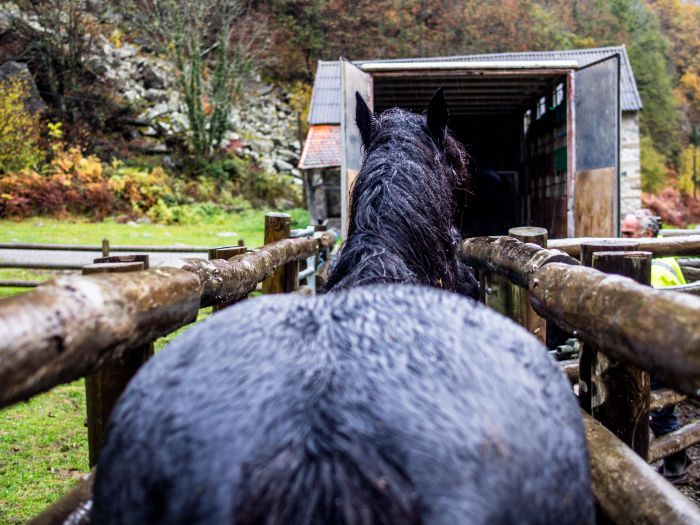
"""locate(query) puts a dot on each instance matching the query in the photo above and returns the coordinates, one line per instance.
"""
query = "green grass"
(22, 275)
(43, 443)
(43, 450)
(247, 226)
(43, 446)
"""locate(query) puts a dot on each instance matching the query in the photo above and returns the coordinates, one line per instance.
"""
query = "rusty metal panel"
(352, 79)
(597, 141)
(594, 203)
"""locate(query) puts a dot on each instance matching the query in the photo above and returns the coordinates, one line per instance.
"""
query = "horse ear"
(364, 119)
(438, 115)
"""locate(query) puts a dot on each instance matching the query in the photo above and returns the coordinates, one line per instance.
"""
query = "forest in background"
(662, 38)
(202, 64)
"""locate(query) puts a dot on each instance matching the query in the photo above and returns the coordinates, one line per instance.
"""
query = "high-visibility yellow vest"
(665, 271)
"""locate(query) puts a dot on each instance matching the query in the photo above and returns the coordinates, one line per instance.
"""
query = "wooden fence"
(629, 330)
(101, 325)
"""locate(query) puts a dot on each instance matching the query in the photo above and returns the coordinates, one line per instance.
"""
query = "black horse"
(402, 220)
(373, 405)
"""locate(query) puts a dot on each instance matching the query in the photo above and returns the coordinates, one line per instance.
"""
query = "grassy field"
(43, 443)
(248, 226)
(43, 447)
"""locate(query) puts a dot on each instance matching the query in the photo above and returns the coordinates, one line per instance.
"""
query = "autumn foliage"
(19, 128)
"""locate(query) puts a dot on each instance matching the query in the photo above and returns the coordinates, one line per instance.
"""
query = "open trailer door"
(352, 79)
(597, 140)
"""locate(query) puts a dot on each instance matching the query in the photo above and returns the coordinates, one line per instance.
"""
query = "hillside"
(225, 94)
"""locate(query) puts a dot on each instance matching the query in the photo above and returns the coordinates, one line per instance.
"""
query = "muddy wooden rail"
(666, 341)
(70, 326)
(640, 328)
(659, 247)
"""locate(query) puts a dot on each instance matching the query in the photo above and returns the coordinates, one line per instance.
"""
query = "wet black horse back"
(403, 205)
(372, 405)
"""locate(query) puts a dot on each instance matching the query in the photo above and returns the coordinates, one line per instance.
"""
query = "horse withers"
(376, 404)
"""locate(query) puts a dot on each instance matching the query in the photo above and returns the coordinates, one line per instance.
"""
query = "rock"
(169, 163)
(132, 95)
(156, 95)
(19, 70)
(95, 6)
(153, 77)
(281, 165)
(287, 154)
(126, 51)
(97, 65)
(5, 23)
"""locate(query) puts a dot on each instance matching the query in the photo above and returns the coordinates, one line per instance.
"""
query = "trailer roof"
(325, 100)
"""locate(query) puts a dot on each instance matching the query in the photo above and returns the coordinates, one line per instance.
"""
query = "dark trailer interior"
(518, 122)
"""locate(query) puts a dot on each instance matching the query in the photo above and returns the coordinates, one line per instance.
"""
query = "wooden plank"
(594, 203)
(71, 509)
(277, 228)
(509, 257)
(626, 488)
(99, 248)
(665, 340)
(624, 389)
(681, 439)
(72, 325)
(14, 283)
(671, 246)
(520, 309)
(664, 397)
(103, 387)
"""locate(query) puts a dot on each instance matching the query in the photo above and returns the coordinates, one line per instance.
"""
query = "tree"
(653, 168)
(61, 43)
(689, 170)
(212, 46)
(19, 128)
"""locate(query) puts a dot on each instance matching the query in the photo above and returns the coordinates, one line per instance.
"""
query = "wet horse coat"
(378, 404)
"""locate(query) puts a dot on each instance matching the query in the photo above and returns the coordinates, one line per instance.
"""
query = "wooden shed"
(559, 128)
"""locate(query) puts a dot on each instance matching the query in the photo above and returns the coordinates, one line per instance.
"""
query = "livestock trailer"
(550, 128)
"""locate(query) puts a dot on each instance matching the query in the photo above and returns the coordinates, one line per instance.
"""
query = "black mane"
(403, 209)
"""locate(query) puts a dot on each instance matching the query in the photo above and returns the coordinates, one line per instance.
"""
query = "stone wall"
(630, 171)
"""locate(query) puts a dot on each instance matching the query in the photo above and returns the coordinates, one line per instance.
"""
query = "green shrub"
(19, 128)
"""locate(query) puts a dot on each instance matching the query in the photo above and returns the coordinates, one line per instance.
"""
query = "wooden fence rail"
(659, 247)
(655, 330)
(100, 248)
(71, 326)
(666, 340)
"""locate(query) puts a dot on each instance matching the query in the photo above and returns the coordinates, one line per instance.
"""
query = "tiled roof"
(322, 148)
(325, 100)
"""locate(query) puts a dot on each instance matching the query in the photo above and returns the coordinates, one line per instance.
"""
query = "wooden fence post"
(624, 390)
(588, 361)
(103, 387)
(105, 247)
(520, 309)
(226, 252)
(285, 279)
